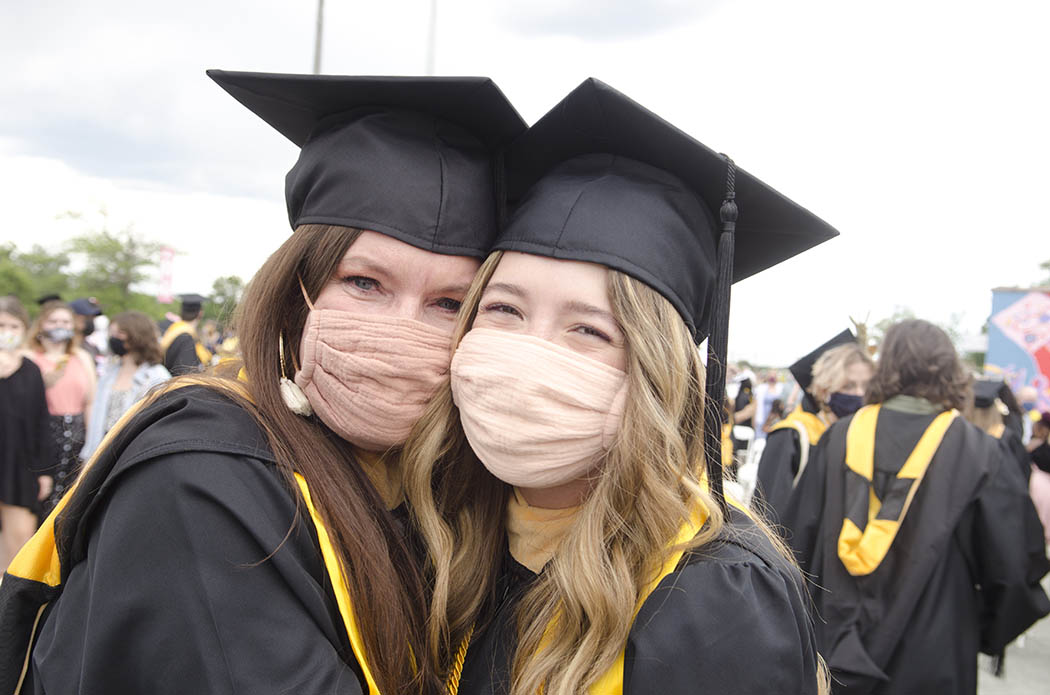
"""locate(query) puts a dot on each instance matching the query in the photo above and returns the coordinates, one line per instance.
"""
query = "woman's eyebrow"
(507, 287)
(584, 308)
(363, 264)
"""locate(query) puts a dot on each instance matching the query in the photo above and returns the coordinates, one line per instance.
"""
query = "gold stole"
(863, 543)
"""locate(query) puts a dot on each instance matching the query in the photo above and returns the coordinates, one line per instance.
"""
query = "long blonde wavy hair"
(649, 486)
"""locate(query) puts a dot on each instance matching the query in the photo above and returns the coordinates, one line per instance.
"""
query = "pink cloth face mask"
(369, 378)
(537, 414)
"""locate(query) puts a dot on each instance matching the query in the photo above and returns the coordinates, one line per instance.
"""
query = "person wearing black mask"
(833, 379)
(915, 526)
(135, 369)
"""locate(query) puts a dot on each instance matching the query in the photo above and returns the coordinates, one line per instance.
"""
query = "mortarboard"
(44, 299)
(86, 306)
(192, 301)
(802, 369)
(985, 392)
(602, 179)
(410, 157)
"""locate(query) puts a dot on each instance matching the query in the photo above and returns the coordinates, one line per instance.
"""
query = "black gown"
(962, 575)
(179, 572)
(732, 619)
(26, 447)
(181, 356)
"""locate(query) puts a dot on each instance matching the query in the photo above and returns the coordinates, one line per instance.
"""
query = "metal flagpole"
(432, 37)
(320, 32)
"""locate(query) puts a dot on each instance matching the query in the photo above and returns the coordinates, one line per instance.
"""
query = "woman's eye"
(591, 331)
(448, 304)
(501, 309)
(362, 283)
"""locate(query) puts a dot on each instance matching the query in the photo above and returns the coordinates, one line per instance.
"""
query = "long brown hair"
(379, 566)
(143, 343)
(918, 359)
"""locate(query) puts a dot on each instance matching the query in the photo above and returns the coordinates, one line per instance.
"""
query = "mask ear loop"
(291, 393)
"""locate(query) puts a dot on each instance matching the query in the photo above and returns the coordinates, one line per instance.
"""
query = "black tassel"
(718, 339)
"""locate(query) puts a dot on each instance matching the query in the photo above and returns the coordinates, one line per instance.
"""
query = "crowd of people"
(466, 443)
(62, 392)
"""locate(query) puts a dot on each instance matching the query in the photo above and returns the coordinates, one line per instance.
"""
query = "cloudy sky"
(918, 128)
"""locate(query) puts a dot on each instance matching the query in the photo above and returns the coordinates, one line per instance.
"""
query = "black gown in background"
(26, 446)
(732, 619)
(962, 575)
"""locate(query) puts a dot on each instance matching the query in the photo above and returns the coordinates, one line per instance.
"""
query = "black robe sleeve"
(193, 584)
(776, 472)
(181, 356)
(804, 511)
(1011, 557)
(731, 625)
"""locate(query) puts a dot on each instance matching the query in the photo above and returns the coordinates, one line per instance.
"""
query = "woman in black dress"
(24, 436)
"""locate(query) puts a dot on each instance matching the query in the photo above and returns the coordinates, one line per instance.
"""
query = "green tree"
(226, 292)
(13, 277)
(113, 263)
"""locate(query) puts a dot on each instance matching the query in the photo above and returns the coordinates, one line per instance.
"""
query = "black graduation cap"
(44, 299)
(986, 391)
(410, 157)
(86, 306)
(192, 302)
(602, 179)
(802, 369)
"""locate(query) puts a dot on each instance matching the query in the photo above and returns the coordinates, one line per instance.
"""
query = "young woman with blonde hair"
(243, 532)
(833, 379)
(575, 539)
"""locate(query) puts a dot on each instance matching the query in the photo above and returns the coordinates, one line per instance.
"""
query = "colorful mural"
(1019, 340)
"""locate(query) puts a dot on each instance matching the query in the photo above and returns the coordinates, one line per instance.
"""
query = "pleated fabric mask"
(369, 378)
(535, 413)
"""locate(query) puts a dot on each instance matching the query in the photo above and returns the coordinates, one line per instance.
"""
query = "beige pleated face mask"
(369, 378)
(536, 414)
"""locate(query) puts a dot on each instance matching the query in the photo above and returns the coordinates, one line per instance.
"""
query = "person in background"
(914, 526)
(183, 351)
(1028, 398)
(25, 437)
(1039, 483)
(990, 413)
(776, 414)
(833, 378)
(135, 369)
(69, 376)
(85, 309)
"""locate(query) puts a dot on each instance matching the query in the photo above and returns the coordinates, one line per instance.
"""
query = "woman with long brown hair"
(918, 530)
(566, 482)
(69, 375)
(244, 532)
(136, 367)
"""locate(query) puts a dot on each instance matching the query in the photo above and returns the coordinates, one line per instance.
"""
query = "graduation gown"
(731, 618)
(782, 458)
(183, 353)
(178, 571)
(961, 576)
